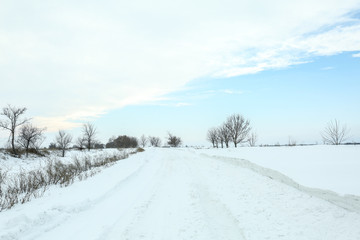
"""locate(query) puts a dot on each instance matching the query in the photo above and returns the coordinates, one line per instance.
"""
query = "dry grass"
(27, 185)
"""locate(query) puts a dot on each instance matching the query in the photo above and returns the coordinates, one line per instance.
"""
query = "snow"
(13, 165)
(189, 194)
(334, 168)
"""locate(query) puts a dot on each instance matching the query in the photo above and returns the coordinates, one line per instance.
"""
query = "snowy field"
(201, 194)
(334, 168)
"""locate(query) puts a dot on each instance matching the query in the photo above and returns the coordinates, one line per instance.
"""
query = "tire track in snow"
(168, 213)
(88, 207)
(138, 209)
(221, 222)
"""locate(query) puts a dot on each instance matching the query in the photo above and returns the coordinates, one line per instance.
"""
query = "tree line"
(30, 137)
(237, 129)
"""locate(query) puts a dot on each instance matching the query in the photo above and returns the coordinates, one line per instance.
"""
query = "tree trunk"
(27, 149)
(13, 141)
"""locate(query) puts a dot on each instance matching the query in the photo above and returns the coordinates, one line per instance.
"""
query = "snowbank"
(334, 168)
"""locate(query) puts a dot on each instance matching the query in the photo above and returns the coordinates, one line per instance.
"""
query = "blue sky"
(145, 67)
(296, 102)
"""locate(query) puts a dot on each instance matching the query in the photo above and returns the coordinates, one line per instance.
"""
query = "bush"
(27, 185)
(139, 149)
(173, 141)
(123, 142)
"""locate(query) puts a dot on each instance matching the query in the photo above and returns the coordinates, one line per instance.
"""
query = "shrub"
(27, 185)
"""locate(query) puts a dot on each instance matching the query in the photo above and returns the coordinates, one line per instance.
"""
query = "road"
(180, 194)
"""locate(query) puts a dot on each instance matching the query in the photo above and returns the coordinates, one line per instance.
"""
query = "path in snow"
(178, 194)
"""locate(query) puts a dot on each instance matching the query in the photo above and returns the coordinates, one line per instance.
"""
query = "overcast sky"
(148, 67)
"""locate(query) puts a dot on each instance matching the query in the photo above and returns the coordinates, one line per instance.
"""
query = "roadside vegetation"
(23, 186)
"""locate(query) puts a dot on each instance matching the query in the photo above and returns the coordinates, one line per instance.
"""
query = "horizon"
(183, 67)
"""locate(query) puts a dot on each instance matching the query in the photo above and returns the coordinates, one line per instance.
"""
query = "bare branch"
(155, 141)
(89, 132)
(12, 122)
(30, 137)
(212, 137)
(334, 133)
(63, 141)
(238, 127)
(143, 141)
(252, 139)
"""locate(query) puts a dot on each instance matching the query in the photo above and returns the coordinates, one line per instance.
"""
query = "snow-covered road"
(178, 194)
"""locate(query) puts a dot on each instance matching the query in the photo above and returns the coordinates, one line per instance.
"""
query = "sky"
(152, 67)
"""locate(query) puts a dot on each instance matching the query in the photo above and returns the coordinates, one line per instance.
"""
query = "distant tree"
(63, 141)
(29, 137)
(52, 146)
(334, 133)
(123, 142)
(111, 143)
(13, 121)
(143, 141)
(89, 132)
(99, 145)
(238, 127)
(173, 141)
(252, 139)
(224, 132)
(155, 141)
(80, 143)
(212, 136)
(291, 141)
(220, 137)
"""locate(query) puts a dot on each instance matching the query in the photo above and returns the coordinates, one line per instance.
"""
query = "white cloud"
(182, 104)
(75, 60)
(327, 68)
(356, 55)
(230, 91)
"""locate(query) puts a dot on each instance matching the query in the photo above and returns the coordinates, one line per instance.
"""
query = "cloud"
(182, 104)
(229, 91)
(356, 55)
(327, 68)
(70, 61)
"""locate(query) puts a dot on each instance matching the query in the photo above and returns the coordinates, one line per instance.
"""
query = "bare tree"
(238, 127)
(252, 139)
(224, 132)
(334, 133)
(80, 143)
(220, 138)
(30, 137)
(173, 141)
(13, 121)
(89, 132)
(143, 141)
(212, 136)
(291, 141)
(63, 141)
(155, 141)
